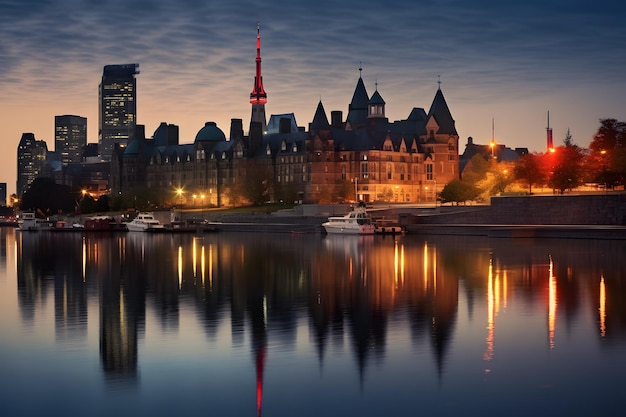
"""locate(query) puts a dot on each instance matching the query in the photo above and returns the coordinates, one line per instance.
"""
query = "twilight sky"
(503, 60)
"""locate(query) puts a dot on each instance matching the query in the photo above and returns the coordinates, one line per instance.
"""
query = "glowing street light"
(179, 191)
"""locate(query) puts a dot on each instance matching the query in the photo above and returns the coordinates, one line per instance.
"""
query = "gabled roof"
(440, 111)
(275, 141)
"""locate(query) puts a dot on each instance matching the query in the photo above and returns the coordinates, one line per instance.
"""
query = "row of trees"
(561, 169)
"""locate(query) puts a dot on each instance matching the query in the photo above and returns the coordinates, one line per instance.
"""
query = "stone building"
(364, 157)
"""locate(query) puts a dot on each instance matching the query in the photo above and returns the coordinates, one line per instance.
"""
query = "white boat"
(357, 222)
(144, 222)
(27, 221)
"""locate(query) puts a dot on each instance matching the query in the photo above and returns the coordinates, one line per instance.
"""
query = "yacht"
(145, 222)
(357, 222)
(27, 221)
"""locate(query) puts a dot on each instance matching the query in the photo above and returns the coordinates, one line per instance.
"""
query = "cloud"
(197, 57)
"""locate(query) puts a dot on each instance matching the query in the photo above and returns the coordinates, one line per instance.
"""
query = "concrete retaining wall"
(600, 209)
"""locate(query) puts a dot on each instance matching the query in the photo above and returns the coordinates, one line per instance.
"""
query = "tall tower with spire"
(258, 97)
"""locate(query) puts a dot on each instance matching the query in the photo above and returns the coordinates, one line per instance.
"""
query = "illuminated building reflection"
(346, 291)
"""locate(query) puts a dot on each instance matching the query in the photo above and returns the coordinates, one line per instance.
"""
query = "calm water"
(307, 325)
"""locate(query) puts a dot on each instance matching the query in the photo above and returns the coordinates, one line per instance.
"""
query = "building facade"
(31, 160)
(364, 157)
(70, 137)
(117, 110)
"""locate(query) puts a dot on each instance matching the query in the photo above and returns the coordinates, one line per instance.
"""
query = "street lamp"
(179, 191)
(356, 188)
(202, 205)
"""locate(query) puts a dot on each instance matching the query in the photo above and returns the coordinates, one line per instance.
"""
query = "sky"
(502, 64)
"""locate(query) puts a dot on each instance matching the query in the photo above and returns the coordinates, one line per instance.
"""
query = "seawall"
(597, 209)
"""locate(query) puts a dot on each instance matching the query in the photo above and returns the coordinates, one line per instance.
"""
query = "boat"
(27, 221)
(104, 224)
(357, 222)
(387, 227)
(145, 222)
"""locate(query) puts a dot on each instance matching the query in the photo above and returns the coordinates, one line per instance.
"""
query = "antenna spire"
(549, 135)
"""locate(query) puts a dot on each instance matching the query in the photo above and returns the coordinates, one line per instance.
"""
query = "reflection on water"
(387, 303)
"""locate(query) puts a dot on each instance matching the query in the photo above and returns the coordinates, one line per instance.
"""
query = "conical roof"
(440, 111)
(320, 121)
(357, 110)
(376, 98)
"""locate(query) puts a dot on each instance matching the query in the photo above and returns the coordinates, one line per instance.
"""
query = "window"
(429, 171)
(389, 172)
(364, 170)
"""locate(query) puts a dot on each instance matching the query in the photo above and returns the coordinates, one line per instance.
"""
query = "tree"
(567, 172)
(476, 169)
(457, 191)
(255, 186)
(606, 162)
(49, 197)
(567, 166)
(529, 170)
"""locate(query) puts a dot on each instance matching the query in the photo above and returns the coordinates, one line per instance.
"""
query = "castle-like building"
(364, 157)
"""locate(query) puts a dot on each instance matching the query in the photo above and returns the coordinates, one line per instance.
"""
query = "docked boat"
(27, 221)
(145, 222)
(387, 227)
(357, 222)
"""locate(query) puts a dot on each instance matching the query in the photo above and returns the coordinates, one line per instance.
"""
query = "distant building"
(70, 137)
(3, 193)
(365, 157)
(31, 160)
(117, 107)
(499, 152)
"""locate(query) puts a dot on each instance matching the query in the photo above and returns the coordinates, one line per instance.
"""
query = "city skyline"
(505, 63)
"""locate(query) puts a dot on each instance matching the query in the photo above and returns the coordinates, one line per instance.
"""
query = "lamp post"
(356, 189)
(435, 193)
(202, 205)
(179, 191)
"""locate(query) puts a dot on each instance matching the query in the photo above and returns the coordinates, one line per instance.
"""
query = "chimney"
(336, 118)
(284, 125)
(236, 129)
(256, 137)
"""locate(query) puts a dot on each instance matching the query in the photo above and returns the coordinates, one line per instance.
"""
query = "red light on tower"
(258, 95)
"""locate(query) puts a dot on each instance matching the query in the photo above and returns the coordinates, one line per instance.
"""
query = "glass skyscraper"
(70, 137)
(117, 107)
(31, 157)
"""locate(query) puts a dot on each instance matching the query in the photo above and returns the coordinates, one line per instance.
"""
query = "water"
(307, 325)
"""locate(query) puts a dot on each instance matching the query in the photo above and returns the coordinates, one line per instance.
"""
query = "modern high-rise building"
(31, 158)
(3, 193)
(117, 110)
(70, 137)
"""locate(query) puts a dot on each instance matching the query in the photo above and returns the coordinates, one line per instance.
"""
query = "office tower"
(258, 97)
(117, 110)
(31, 158)
(3, 193)
(70, 137)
